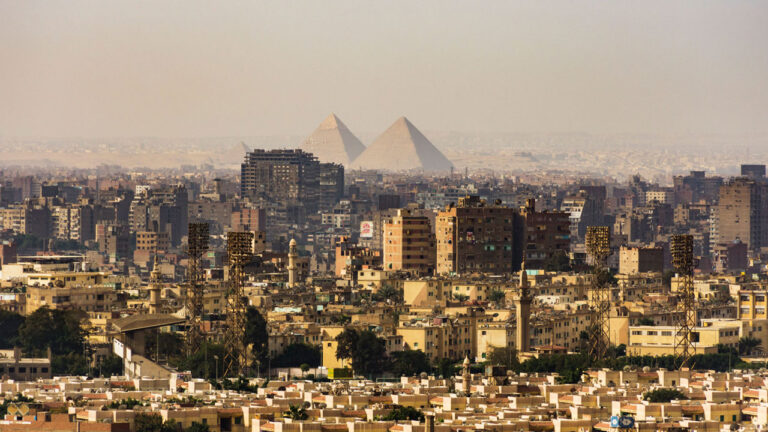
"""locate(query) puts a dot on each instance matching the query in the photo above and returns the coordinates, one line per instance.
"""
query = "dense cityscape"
(338, 286)
(398, 216)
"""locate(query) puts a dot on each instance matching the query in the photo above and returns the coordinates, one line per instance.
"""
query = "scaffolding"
(197, 244)
(681, 246)
(239, 252)
(598, 248)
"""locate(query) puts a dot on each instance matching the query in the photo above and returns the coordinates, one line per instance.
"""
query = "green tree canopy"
(197, 427)
(409, 363)
(153, 423)
(497, 296)
(748, 344)
(404, 413)
(366, 351)
(558, 262)
(296, 412)
(503, 356)
(202, 364)
(663, 395)
(256, 332)
(646, 321)
(296, 354)
(10, 322)
(58, 329)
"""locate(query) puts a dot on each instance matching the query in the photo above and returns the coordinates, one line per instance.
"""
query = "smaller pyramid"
(333, 142)
(402, 147)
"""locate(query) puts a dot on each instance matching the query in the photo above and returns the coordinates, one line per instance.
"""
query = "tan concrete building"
(409, 244)
(741, 213)
(633, 260)
(152, 241)
(661, 340)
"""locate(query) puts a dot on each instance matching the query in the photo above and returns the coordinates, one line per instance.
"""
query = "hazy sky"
(224, 68)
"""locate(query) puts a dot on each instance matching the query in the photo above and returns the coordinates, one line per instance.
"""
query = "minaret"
(292, 268)
(154, 287)
(523, 313)
(466, 376)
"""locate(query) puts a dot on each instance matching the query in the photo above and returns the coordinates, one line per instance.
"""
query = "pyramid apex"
(331, 122)
(332, 141)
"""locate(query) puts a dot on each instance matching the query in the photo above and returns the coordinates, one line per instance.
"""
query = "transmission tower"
(239, 247)
(197, 244)
(598, 247)
(682, 259)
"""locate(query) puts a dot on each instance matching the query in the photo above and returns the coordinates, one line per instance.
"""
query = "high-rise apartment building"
(409, 244)
(696, 187)
(586, 208)
(755, 172)
(249, 219)
(476, 237)
(292, 180)
(742, 213)
(547, 233)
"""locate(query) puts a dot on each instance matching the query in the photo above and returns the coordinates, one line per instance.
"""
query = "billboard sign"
(366, 229)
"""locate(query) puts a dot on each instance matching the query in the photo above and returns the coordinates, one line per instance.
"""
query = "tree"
(110, 365)
(646, 321)
(304, 368)
(198, 427)
(460, 297)
(153, 423)
(446, 367)
(256, 333)
(9, 328)
(748, 344)
(403, 413)
(504, 356)
(605, 278)
(366, 351)
(666, 278)
(296, 354)
(57, 329)
(346, 344)
(409, 363)
(558, 262)
(388, 293)
(497, 296)
(203, 364)
(296, 412)
(663, 395)
(62, 332)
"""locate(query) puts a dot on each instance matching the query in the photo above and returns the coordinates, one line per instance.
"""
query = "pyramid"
(333, 142)
(402, 147)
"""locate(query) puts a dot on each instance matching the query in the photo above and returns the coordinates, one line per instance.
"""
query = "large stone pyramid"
(402, 147)
(333, 142)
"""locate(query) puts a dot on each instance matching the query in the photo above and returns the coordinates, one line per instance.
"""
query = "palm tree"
(497, 296)
(748, 344)
(296, 412)
(388, 292)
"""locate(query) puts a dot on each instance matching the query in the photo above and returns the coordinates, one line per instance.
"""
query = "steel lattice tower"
(197, 244)
(598, 247)
(682, 258)
(239, 247)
